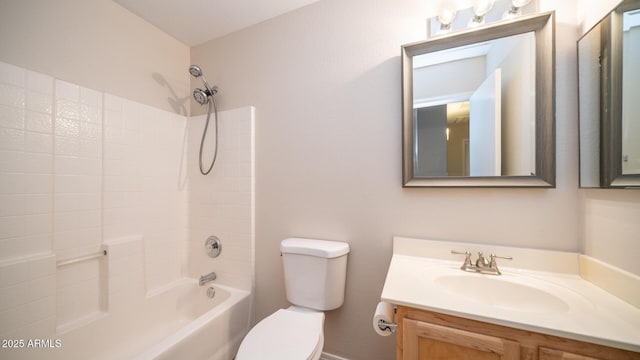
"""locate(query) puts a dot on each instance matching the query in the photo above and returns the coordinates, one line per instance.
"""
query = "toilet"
(314, 276)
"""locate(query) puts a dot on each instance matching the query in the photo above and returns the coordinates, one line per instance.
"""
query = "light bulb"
(516, 8)
(480, 9)
(446, 15)
(520, 3)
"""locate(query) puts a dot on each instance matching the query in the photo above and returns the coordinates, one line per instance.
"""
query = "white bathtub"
(215, 334)
(180, 322)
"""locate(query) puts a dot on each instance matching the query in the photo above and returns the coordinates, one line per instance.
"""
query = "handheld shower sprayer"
(195, 71)
(201, 96)
(205, 97)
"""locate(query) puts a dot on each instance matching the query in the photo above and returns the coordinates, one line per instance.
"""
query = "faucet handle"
(494, 265)
(494, 257)
(467, 259)
(466, 253)
(460, 252)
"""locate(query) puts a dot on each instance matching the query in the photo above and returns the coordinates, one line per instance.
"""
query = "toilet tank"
(315, 272)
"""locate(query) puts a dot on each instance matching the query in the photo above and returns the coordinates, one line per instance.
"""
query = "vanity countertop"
(548, 294)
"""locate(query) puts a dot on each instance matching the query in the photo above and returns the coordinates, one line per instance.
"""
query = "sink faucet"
(207, 278)
(482, 264)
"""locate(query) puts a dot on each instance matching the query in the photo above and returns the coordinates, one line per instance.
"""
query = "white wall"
(99, 45)
(325, 81)
(590, 12)
(516, 59)
(448, 79)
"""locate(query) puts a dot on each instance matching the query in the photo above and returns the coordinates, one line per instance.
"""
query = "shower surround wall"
(145, 186)
(82, 171)
(64, 191)
(222, 202)
(27, 273)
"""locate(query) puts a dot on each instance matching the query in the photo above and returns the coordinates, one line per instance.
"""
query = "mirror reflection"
(630, 92)
(478, 106)
(609, 93)
(474, 109)
(442, 139)
(590, 58)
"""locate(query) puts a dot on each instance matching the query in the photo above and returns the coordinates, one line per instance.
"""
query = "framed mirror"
(609, 97)
(479, 106)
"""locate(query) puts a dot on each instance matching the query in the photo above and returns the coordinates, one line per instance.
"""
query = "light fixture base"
(464, 17)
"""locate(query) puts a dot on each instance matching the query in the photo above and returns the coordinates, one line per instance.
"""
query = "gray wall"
(431, 141)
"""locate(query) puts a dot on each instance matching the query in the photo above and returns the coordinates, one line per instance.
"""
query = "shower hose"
(211, 102)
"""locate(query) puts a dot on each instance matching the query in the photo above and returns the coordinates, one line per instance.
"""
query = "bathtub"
(213, 334)
(179, 322)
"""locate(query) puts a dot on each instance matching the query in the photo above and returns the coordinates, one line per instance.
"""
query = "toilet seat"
(287, 334)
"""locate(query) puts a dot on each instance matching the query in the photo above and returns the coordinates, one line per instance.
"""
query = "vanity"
(540, 307)
(495, 127)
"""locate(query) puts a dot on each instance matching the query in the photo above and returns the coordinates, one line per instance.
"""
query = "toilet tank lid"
(319, 248)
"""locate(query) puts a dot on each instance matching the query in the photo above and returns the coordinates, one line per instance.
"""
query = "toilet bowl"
(288, 334)
(314, 277)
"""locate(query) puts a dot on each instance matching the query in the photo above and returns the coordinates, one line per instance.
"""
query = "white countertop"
(421, 271)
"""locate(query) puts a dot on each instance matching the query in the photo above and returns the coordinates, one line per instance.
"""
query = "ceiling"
(197, 21)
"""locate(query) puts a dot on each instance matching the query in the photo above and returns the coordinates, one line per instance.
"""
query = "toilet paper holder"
(387, 326)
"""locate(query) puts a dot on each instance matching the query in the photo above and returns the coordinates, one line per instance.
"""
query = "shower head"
(195, 71)
(201, 96)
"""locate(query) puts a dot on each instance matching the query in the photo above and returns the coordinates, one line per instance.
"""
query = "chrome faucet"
(482, 264)
(207, 278)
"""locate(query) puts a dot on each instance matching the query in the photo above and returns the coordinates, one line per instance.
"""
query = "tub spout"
(207, 278)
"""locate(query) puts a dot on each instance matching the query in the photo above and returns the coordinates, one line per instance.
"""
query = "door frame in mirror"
(543, 25)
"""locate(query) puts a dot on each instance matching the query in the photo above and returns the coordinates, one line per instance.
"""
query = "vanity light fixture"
(445, 16)
(516, 8)
(480, 9)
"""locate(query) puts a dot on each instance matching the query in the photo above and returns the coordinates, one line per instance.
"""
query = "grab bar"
(81, 258)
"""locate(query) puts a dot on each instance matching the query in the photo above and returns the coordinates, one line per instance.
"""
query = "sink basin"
(499, 292)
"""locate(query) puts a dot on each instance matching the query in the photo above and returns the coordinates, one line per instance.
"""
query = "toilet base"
(294, 333)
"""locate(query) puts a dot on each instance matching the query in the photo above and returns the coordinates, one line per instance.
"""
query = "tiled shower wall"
(26, 162)
(145, 186)
(27, 266)
(80, 169)
(222, 203)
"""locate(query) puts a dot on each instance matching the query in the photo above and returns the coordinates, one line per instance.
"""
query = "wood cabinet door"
(425, 341)
(554, 354)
